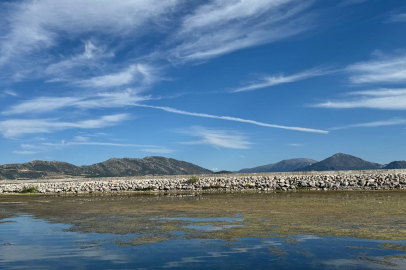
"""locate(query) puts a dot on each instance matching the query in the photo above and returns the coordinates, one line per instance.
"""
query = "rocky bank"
(343, 180)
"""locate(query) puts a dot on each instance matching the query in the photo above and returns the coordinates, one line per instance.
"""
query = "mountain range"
(115, 167)
(337, 162)
(288, 165)
(120, 167)
(340, 162)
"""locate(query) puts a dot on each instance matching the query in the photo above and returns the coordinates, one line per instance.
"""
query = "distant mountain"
(288, 165)
(396, 165)
(114, 167)
(341, 162)
(223, 172)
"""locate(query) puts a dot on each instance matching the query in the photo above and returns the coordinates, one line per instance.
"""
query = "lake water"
(302, 230)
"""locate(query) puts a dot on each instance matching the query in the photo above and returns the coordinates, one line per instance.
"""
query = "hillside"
(288, 165)
(341, 162)
(396, 165)
(111, 168)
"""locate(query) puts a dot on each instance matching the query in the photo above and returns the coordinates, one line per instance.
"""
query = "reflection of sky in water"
(209, 228)
(28, 243)
(199, 219)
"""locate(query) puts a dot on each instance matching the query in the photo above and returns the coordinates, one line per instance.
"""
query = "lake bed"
(301, 230)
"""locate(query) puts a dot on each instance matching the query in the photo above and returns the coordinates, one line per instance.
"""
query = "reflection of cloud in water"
(365, 264)
(214, 254)
(210, 228)
(201, 219)
(50, 244)
(304, 237)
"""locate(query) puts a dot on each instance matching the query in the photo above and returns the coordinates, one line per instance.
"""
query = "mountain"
(396, 165)
(342, 162)
(145, 166)
(288, 165)
(223, 172)
(114, 167)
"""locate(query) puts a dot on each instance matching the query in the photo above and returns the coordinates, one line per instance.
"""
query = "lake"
(295, 230)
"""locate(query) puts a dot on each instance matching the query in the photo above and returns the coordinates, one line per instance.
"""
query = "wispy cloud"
(235, 119)
(217, 137)
(389, 122)
(352, 2)
(401, 17)
(140, 73)
(40, 24)
(70, 67)
(120, 99)
(10, 92)
(295, 144)
(273, 80)
(29, 149)
(81, 139)
(17, 127)
(224, 26)
(384, 99)
(384, 69)
(100, 100)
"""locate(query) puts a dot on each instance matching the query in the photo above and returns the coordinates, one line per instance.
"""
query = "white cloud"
(120, 99)
(384, 69)
(384, 99)
(229, 118)
(29, 149)
(139, 73)
(90, 58)
(216, 137)
(157, 150)
(224, 26)
(352, 2)
(273, 80)
(389, 122)
(401, 17)
(36, 25)
(295, 144)
(17, 127)
(81, 139)
(10, 92)
(100, 100)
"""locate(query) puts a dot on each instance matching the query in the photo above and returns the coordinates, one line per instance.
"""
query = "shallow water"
(305, 230)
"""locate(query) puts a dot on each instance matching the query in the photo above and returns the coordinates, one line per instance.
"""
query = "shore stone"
(343, 180)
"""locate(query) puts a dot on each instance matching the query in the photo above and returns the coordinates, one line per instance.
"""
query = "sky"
(224, 84)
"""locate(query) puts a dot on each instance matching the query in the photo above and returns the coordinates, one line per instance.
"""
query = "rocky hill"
(288, 165)
(110, 168)
(396, 165)
(342, 162)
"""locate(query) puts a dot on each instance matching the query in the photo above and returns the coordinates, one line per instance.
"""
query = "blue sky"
(225, 84)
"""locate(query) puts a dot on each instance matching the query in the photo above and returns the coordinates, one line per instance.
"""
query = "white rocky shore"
(343, 180)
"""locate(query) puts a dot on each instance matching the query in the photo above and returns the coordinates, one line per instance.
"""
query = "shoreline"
(293, 181)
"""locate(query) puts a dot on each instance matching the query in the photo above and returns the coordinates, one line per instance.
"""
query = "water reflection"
(29, 243)
(221, 231)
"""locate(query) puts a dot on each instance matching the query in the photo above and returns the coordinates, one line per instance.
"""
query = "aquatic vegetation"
(383, 261)
(369, 248)
(374, 215)
(143, 240)
(394, 246)
(275, 250)
(29, 190)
